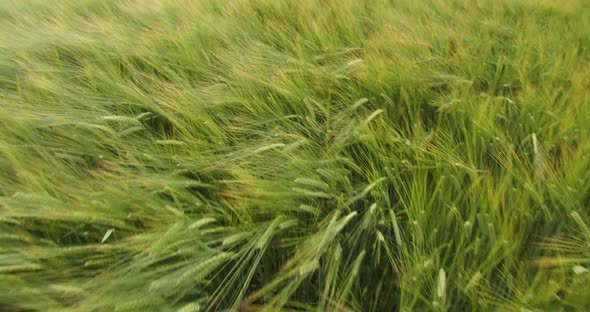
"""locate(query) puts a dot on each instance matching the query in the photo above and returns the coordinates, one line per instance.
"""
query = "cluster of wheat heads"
(345, 155)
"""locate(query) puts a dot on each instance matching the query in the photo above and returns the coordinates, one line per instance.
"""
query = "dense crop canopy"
(263, 155)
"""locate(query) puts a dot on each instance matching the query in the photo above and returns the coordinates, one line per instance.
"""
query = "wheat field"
(305, 155)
